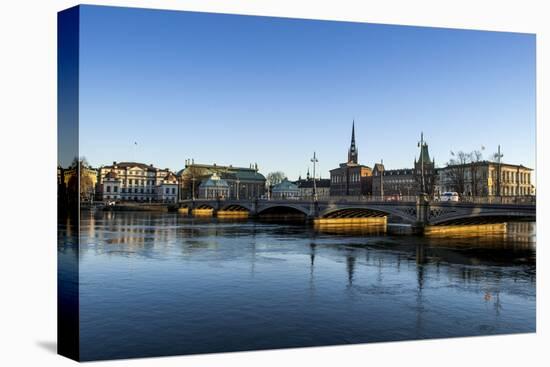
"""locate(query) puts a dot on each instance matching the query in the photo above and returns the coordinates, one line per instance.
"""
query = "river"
(162, 284)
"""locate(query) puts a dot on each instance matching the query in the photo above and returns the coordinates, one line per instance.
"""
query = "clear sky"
(231, 89)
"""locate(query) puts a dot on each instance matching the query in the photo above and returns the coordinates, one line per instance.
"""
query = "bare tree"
(274, 178)
(190, 180)
(475, 158)
(456, 172)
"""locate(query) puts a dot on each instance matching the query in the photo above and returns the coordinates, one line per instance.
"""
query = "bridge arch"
(204, 206)
(481, 218)
(406, 213)
(282, 207)
(236, 208)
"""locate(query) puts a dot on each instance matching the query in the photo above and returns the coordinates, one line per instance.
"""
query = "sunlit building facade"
(244, 183)
(482, 179)
(131, 181)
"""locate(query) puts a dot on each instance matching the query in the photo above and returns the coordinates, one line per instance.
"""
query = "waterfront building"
(395, 182)
(285, 190)
(213, 187)
(167, 192)
(482, 179)
(83, 176)
(351, 178)
(322, 186)
(244, 183)
(137, 182)
(111, 186)
(406, 181)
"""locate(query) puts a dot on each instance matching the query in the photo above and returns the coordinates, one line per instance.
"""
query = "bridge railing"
(520, 200)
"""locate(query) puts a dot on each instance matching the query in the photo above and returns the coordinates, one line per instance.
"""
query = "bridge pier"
(422, 214)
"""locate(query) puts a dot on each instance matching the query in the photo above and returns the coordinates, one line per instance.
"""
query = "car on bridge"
(449, 196)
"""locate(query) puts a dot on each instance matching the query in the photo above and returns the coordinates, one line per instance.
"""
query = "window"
(173, 190)
(115, 188)
(167, 190)
(108, 188)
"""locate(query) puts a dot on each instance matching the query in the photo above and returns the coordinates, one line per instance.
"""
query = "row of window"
(138, 198)
(511, 176)
(137, 190)
(399, 180)
(138, 173)
(355, 177)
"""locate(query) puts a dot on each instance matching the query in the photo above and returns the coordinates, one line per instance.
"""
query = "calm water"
(162, 284)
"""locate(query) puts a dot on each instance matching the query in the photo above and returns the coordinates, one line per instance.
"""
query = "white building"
(130, 181)
(168, 189)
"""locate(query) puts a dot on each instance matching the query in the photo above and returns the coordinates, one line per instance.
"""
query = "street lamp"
(499, 171)
(382, 180)
(193, 188)
(314, 160)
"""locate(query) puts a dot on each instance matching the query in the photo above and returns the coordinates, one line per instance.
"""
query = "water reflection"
(171, 284)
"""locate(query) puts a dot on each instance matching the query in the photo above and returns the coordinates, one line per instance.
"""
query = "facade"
(213, 188)
(244, 183)
(137, 182)
(406, 181)
(395, 182)
(111, 186)
(167, 192)
(482, 179)
(351, 178)
(83, 176)
(285, 190)
(322, 186)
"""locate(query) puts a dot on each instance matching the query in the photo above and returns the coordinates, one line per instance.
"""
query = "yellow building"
(482, 179)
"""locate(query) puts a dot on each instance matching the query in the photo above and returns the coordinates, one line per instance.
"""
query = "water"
(163, 284)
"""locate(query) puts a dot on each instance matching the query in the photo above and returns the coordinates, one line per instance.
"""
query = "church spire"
(352, 153)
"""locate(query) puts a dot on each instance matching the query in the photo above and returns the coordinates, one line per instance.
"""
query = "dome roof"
(286, 186)
(214, 182)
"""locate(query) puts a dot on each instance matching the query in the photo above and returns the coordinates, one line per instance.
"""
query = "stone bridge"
(420, 213)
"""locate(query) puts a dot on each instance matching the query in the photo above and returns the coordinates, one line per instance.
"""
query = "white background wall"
(28, 147)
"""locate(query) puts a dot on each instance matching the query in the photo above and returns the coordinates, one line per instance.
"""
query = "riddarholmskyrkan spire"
(352, 153)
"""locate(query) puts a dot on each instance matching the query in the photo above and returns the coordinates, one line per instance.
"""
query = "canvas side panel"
(68, 183)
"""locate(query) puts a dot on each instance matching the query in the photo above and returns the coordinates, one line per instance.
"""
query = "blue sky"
(231, 89)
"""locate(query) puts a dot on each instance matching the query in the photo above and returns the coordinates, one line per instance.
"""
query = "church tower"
(352, 153)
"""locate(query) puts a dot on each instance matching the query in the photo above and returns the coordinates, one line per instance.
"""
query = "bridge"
(419, 211)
